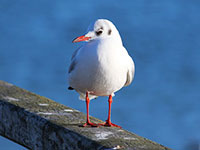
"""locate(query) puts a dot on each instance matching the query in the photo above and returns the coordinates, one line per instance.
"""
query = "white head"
(100, 29)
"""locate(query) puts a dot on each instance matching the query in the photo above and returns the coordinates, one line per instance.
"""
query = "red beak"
(81, 38)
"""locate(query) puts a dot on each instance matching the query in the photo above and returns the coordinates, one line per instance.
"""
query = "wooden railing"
(39, 123)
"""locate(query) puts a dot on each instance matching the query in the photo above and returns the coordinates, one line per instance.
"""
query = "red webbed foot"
(109, 124)
(89, 124)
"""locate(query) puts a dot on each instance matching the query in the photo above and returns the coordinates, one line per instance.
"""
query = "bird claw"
(89, 124)
(109, 124)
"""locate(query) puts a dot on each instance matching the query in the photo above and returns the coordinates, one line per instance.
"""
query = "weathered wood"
(39, 123)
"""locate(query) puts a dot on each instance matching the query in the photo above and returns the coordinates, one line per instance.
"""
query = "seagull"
(101, 66)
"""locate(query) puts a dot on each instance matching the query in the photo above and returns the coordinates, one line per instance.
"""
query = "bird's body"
(101, 66)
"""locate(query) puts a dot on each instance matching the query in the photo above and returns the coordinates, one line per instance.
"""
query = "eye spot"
(109, 32)
(98, 33)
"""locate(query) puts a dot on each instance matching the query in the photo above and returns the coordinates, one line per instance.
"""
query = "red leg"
(88, 123)
(108, 121)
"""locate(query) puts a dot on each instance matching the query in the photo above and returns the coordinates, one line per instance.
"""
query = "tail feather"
(70, 88)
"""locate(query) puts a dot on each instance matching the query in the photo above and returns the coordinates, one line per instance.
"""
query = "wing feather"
(73, 60)
(130, 72)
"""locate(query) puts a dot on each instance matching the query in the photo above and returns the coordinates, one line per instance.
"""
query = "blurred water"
(163, 38)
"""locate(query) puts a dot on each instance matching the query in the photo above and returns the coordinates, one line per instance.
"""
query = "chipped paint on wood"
(41, 104)
(10, 98)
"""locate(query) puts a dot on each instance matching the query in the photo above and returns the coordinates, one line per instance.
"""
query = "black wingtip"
(70, 88)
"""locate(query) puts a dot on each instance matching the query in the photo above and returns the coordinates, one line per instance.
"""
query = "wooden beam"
(39, 123)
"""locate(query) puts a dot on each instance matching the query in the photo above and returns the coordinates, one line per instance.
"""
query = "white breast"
(101, 68)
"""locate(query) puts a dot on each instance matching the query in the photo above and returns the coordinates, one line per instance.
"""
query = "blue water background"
(163, 37)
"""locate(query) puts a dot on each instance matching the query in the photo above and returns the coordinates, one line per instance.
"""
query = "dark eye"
(109, 32)
(99, 32)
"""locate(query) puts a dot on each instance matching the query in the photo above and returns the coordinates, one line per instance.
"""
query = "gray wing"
(73, 60)
(72, 66)
(75, 53)
(130, 72)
